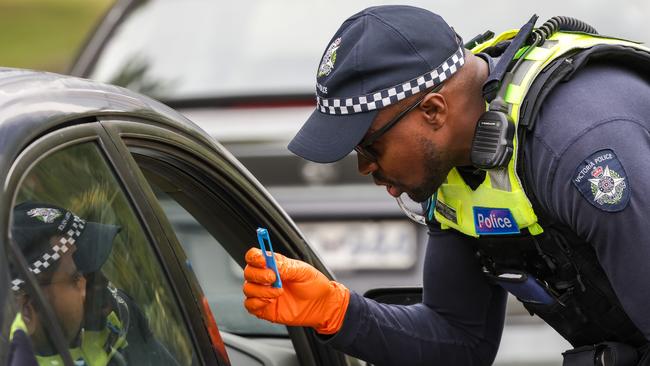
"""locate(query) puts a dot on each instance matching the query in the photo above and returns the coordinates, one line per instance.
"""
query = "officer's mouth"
(393, 191)
(391, 188)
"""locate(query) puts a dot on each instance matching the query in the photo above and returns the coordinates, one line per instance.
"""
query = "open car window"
(208, 208)
(95, 266)
(210, 227)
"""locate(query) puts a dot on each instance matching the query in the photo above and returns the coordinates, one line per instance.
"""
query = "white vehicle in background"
(245, 72)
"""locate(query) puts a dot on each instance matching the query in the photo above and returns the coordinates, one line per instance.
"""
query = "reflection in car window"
(95, 266)
(207, 243)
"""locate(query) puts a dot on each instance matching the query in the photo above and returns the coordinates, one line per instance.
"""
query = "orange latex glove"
(307, 298)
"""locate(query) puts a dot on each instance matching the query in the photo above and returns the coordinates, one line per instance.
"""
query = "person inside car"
(101, 324)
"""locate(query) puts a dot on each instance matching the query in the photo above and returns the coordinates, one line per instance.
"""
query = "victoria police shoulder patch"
(601, 179)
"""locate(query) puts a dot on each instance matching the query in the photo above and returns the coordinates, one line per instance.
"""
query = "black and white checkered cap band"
(392, 95)
(65, 243)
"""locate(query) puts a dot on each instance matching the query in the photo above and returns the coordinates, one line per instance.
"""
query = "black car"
(113, 159)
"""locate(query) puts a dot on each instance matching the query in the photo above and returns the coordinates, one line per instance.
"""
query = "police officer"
(101, 324)
(541, 195)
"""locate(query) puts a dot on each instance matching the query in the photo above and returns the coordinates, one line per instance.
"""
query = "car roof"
(35, 102)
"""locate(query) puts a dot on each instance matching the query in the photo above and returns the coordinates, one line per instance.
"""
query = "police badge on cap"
(329, 59)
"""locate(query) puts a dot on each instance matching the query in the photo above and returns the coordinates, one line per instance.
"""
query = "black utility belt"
(602, 354)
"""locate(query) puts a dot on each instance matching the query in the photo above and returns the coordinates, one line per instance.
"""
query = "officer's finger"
(262, 276)
(256, 305)
(253, 290)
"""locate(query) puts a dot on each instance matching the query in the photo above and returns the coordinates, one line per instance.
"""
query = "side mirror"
(396, 295)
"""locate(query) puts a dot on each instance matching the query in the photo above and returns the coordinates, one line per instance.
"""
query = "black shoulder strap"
(565, 67)
(493, 83)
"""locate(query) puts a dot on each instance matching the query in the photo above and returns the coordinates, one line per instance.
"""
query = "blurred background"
(45, 34)
(244, 71)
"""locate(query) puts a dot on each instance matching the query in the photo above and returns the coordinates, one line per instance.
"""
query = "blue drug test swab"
(262, 235)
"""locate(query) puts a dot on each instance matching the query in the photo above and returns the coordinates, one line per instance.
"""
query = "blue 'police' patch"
(601, 179)
(494, 221)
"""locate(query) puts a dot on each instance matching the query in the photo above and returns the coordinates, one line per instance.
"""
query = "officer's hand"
(307, 297)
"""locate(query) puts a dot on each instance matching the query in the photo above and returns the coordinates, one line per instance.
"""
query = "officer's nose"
(365, 166)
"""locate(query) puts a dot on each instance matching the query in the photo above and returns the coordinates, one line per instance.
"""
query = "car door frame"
(89, 129)
(224, 168)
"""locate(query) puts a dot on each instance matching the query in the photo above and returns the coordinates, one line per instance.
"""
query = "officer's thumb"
(255, 258)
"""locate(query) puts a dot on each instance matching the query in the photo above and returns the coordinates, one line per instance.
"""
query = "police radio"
(492, 146)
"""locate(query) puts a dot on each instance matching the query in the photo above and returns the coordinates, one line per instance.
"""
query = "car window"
(208, 242)
(95, 266)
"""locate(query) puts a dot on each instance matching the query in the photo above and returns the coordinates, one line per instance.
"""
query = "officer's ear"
(435, 109)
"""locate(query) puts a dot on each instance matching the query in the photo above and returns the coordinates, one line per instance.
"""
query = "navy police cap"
(45, 232)
(378, 57)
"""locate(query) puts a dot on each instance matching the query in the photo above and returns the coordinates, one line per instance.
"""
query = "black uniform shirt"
(588, 165)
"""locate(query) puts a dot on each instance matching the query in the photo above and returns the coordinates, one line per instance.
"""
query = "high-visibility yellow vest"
(499, 205)
(92, 346)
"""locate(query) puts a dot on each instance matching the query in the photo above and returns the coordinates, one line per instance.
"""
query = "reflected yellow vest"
(93, 344)
(499, 205)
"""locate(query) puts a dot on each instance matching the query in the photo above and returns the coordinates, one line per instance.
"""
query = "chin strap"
(414, 216)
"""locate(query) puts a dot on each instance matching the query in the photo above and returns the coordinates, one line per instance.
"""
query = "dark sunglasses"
(365, 149)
